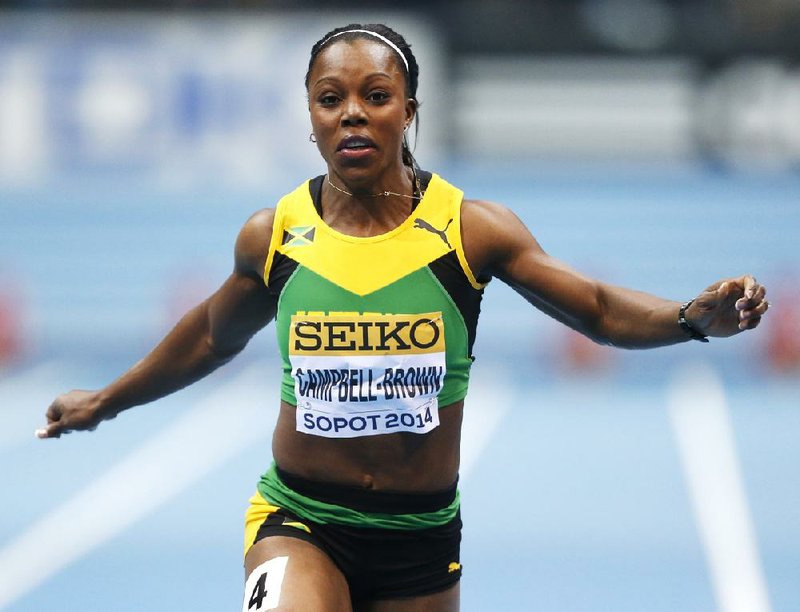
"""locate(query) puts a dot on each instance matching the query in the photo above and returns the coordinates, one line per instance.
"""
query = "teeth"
(356, 144)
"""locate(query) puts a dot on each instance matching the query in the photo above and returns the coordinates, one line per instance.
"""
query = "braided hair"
(411, 73)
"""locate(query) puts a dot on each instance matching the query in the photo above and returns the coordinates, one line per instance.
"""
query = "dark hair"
(411, 74)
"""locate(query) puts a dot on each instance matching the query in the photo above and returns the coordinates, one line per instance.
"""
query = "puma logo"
(422, 224)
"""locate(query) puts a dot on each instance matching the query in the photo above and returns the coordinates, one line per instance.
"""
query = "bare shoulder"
(493, 221)
(484, 211)
(252, 244)
(491, 232)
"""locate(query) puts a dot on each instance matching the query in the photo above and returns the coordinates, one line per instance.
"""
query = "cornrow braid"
(407, 63)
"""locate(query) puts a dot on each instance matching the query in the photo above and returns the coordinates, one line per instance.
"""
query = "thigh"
(287, 574)
(445, 601)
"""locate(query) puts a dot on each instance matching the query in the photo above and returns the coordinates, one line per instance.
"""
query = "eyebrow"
(336, 79)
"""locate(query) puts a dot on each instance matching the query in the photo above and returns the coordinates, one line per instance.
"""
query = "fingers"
(752, 292)
(54, 411)
(750, 323)
(53, 415)
(54, 422)
(750, 286)
(750, 318)
(752, 305)
(53, 430)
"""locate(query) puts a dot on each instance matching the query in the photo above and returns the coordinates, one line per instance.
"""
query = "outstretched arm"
(208, 336)
(498, 244)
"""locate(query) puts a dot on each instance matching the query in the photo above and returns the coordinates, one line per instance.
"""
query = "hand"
(728, 307)
(73, 411)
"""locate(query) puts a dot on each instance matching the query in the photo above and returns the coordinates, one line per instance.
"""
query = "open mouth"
(355, 144)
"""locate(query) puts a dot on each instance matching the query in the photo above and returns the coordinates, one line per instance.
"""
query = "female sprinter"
(373, 273)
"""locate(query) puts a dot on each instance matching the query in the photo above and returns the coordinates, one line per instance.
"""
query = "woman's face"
(359, 109)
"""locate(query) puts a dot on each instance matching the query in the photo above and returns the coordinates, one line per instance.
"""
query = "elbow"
(603, 328)
(220, 354)
(613, 325)
(600, 336)
(604, 340)
(608, 332)
(595, 331)
(597, 325)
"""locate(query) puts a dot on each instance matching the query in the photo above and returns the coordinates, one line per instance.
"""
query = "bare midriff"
(404, 462)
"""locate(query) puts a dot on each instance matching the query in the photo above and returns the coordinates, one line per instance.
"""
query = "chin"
(357, 170)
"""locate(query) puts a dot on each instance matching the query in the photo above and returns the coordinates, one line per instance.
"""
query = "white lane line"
(239, 413)
(486, 405)
(699, 414)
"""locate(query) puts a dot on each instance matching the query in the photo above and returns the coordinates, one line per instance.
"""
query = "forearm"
(607, 314)
(634, 319)
(184, 356)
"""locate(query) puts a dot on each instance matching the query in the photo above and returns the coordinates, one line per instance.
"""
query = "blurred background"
(651, 143)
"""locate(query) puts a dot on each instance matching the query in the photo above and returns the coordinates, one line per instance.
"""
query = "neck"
(361, 210)
(404, 184)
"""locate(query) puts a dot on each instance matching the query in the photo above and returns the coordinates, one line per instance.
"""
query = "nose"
(353, 112)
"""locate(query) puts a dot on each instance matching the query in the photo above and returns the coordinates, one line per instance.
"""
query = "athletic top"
(375, 333)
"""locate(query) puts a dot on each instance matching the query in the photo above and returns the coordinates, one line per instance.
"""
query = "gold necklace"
(385, 193)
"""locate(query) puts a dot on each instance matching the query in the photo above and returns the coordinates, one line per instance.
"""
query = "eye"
(328, 99)
(378, 96)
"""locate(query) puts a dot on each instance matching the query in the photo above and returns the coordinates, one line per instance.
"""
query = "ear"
(411, 110)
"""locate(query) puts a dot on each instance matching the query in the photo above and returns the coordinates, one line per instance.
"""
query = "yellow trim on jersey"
(277, 233)
(462, 257)
(431, 231)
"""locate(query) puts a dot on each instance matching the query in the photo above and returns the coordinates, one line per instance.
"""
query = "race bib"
(367, 374)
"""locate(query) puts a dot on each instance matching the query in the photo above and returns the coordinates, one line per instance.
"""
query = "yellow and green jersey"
(375, 333)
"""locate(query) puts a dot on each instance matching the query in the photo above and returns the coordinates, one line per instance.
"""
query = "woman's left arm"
(498, 244)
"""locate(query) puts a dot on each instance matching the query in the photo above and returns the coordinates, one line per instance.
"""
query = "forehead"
(355, 56)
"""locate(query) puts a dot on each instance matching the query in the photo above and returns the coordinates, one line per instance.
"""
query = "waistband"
(345, 505)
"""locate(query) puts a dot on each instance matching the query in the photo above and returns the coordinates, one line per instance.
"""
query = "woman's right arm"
(208, 336)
